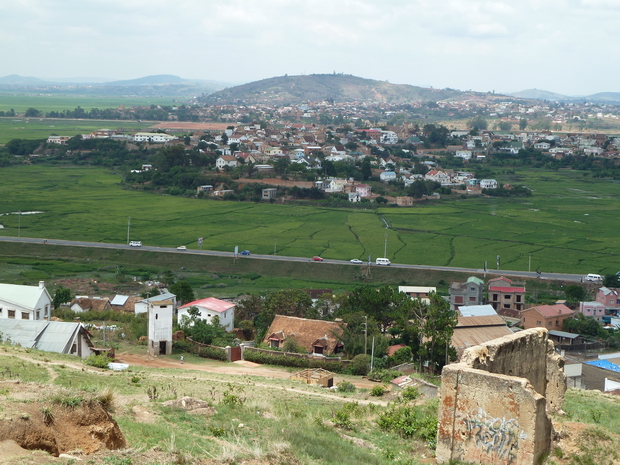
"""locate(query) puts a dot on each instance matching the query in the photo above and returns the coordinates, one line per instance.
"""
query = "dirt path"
(242, 368)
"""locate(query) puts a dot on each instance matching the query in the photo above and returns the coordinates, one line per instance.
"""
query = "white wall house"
(488, 184)
(152, 137)
(209, 308)
(226, 160)
(25, 302)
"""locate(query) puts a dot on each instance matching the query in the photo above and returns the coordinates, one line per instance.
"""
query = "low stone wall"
(494, 403)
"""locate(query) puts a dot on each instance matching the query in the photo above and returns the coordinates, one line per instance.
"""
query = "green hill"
(335, 87)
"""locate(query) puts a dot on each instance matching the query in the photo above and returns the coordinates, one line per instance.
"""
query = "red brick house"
(551, 317)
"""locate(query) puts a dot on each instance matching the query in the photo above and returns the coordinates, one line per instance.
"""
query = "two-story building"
(507, 298)
(467, 293)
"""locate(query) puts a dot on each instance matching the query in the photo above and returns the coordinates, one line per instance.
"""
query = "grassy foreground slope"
(568, 225)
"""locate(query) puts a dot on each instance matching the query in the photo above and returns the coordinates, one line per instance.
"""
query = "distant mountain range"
(536, 94)
(280, 90)
(162, 85)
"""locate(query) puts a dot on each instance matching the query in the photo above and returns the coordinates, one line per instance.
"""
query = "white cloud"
(478, 44)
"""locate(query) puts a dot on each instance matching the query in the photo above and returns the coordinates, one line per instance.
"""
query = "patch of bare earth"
(32, 422)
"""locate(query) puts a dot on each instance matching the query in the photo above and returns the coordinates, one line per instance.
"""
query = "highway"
(101, 245)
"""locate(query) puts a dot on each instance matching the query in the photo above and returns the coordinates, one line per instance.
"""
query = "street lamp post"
(128, 223)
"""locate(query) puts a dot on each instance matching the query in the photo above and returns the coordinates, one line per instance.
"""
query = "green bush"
(183, 346)
(410, 393)
(213, 352)
(360, 364)
(345, 386)
(383, 376)
(409, 421)
(99, 361)
(378, 391)
(291, 361)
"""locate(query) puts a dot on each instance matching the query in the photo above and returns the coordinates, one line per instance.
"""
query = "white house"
(389, 137)
(464, 154)
(152, 137)
(25, 302)
(160, 315)
(441, 177)
(488, 184)
(226, 160)
(209, 308)
(387, 176)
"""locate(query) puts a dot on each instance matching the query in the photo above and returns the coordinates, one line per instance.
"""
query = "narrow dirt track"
(241, 368)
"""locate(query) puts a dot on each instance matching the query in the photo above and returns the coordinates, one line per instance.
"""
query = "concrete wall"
(493, 407)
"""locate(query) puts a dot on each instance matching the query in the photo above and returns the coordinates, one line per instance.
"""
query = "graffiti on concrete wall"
(497, 437)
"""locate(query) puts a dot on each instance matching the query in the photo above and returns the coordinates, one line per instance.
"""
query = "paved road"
(517, 274)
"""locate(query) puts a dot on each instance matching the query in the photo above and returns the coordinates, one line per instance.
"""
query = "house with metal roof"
(25, 302)
(477, 324)
(50, 336)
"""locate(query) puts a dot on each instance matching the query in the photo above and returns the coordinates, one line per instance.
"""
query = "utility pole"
(19, 224)
(274, 246)
(372, 353)
(529, 263)
(128, 223)
(366, 335)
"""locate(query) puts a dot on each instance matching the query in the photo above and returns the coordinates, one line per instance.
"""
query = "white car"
(181, 247)
(357, 261)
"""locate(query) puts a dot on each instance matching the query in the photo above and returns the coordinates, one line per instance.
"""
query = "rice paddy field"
(44, 102)
(569, 224)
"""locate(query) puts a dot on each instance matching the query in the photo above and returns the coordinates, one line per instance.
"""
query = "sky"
(563, 46)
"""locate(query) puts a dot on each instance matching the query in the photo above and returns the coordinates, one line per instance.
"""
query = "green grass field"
(45, 103)
(568, 225)
(42, 128)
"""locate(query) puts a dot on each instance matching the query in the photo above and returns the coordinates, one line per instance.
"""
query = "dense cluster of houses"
(25, 319)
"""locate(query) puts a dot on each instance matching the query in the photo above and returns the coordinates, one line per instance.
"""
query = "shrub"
(342, 420)
(346, 386)
(183, 346)
(213, 352)
(378, 391)
(360, 364)
(409, 421)
(99, 361)
(410, 393)
(384, 376)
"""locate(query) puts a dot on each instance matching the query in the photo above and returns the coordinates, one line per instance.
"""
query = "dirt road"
(241, 368)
